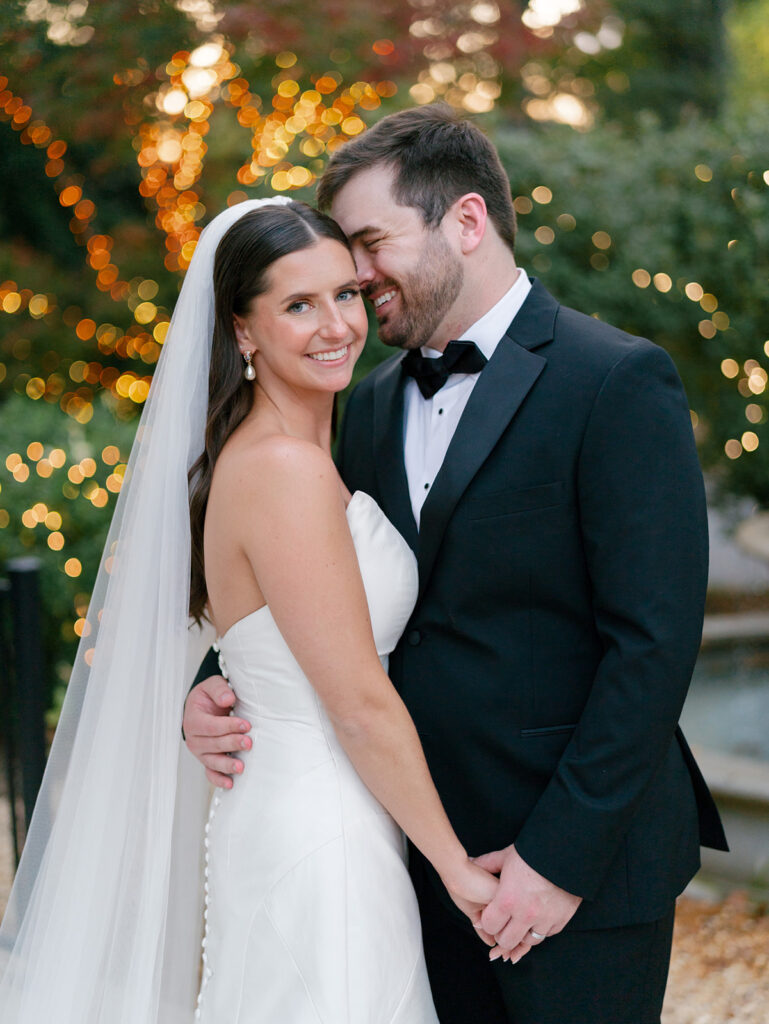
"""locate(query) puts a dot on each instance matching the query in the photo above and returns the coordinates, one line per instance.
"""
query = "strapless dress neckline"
(356, 498)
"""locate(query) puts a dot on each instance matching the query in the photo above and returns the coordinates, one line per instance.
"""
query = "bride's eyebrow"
(352, 283)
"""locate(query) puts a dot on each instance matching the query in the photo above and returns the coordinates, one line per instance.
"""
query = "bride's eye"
(299, 306)
(348, 293)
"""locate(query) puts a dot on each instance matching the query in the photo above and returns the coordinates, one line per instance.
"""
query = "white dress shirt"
(430, 423)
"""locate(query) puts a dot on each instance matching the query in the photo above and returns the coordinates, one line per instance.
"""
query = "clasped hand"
(524, 903)
(504, 910)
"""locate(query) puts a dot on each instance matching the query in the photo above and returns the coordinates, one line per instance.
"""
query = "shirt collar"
(489, 330)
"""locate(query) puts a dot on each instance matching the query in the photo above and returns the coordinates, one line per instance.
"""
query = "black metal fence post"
(7, 714)
(28, 674)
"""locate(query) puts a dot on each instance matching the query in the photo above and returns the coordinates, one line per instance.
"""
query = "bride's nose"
(333, 325)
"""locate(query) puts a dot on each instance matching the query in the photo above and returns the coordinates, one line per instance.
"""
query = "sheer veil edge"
(105, 916)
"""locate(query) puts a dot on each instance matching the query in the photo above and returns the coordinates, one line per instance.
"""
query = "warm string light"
(755, 378)
(570, 98)
(315, 119)
(171, 153)
(131, 344)
(170, 156)
(134, 343)
(457, 40)
(81, 479)
(171, 149)
(541, 195)
(751, 378)
(69, 187)
(288, 140)
(79, 482)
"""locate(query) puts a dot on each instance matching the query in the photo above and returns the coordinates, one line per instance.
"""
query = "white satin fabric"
(310, 914)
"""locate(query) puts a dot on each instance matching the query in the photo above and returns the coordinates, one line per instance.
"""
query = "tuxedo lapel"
(388, 451)
(496, 397)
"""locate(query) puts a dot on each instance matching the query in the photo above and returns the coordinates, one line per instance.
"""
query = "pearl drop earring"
(249, 373)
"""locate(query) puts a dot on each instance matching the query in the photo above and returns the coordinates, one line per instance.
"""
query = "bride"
(308, 910)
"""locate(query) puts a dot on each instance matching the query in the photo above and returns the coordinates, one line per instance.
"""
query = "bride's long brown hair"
(243, 256)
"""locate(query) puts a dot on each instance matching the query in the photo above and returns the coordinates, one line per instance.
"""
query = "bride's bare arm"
(299, 545)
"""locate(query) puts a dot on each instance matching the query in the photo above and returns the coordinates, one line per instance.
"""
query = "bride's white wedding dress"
(310, 914)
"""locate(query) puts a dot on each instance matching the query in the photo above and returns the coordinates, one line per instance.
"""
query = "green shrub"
(690, 204)
(44, 513)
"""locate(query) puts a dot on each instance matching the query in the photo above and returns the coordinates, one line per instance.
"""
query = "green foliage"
(673, 56)
(748, 31)
(97, 91)
(83, 525)
(626, 58)
(691, 203)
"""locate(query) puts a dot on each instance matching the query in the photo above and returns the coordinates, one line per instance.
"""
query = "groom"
(547, 479)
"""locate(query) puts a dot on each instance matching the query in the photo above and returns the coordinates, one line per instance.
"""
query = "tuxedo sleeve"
(341, 440)
(643, 518)
(346, 432)
(208, 667)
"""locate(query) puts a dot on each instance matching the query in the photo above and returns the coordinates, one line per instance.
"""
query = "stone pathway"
(720, 968)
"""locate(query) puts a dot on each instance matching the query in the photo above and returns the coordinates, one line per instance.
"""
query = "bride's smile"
(310, 334)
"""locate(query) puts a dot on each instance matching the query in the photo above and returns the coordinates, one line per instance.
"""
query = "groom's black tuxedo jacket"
(563, 566)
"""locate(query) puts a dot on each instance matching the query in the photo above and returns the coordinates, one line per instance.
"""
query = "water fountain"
(726, 719)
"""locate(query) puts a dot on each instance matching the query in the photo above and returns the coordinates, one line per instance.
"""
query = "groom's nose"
(364, 267)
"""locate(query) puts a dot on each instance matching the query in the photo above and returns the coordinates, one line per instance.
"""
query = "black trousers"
(606, 976)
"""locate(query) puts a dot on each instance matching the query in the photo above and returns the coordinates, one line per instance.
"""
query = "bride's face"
(307, 329)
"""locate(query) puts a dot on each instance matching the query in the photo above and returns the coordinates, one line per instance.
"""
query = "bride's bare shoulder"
(277, 467)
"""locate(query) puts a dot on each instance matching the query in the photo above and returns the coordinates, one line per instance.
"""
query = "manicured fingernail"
(245, 744)
(515, 961)
(244, 727)
(495, 954)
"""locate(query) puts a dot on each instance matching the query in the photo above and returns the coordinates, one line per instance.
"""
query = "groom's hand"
(524, 901)
(211, 733)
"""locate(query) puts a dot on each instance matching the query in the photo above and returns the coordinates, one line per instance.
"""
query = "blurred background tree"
(747, 84)
(664, 233)
(634, 132)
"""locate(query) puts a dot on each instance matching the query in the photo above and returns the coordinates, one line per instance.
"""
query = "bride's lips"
(331, 357)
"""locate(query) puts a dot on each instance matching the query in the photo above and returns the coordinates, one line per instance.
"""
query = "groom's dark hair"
(437, 156)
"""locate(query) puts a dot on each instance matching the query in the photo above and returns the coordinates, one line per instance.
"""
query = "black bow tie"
(432, 374)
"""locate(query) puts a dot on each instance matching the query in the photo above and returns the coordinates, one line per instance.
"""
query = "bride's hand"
(471, 888)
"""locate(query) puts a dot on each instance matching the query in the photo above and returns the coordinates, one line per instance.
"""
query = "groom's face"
(409, 273)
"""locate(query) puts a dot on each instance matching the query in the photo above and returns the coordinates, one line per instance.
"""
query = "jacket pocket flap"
(521, 500)
(549, 730)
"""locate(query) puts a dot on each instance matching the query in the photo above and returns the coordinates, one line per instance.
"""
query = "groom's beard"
(425, 295)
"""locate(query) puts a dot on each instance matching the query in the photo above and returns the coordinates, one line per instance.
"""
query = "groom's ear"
(470, 217)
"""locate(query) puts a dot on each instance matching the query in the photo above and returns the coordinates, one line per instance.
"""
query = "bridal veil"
(105, 917)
